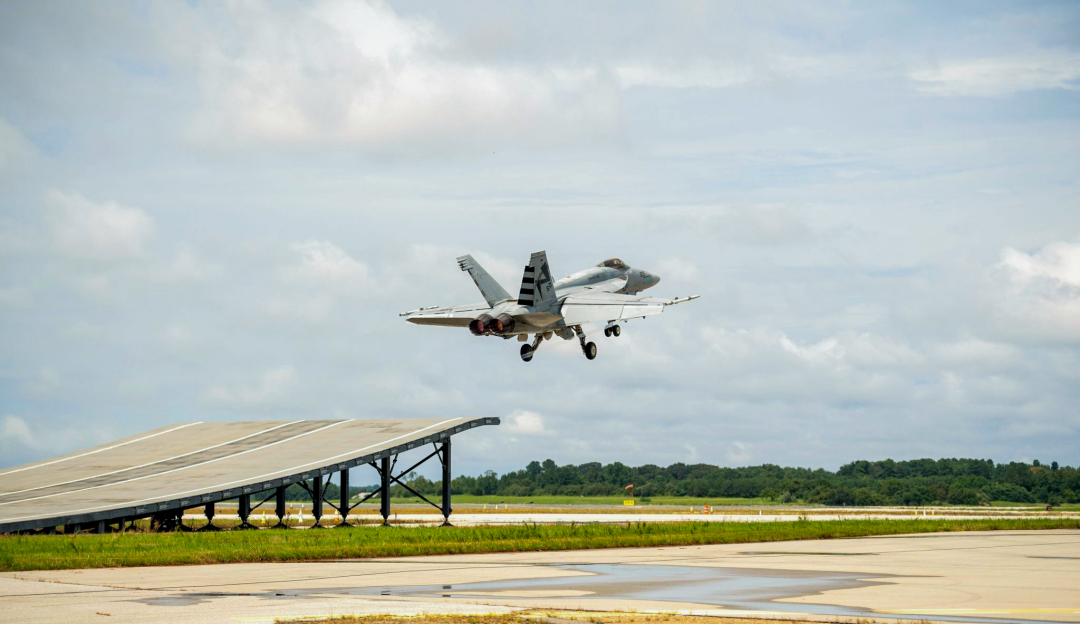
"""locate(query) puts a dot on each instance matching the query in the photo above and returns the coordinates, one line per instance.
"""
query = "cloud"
(359, 74)
(996, 77)
(1057, 261)
(524, 422)
(97, 231)
(1039, 293)
(322, 261)
(16, 153)
(273, 385)
(738, 453)
(14, 430)
(186, 266)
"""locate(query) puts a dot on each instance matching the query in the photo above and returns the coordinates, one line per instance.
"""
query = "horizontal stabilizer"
(440, 320)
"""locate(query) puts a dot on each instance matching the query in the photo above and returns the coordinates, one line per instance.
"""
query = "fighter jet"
(606, 293)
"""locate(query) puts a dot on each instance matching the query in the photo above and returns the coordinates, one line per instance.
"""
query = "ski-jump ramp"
(160, 473)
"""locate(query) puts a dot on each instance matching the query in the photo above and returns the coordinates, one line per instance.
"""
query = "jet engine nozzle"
(502, 324)
(481, 324)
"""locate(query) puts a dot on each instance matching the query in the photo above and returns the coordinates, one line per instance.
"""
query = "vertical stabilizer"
(537, 287)
(493, 293)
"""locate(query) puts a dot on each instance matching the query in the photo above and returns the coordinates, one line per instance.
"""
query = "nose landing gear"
(613, 330)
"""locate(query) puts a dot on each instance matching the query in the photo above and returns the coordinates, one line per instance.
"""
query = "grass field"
(54, 552)
(543, 617)
(685, 501)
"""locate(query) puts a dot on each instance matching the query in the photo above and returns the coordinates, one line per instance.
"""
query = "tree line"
(885, 482)
(861, 483)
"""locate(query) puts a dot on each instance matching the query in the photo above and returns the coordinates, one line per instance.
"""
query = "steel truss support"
(386, 471)
(384, 488)
(317, 491)
(246, 509)
(343, 507)
(279, 507)
(209, 512)
(243, 509)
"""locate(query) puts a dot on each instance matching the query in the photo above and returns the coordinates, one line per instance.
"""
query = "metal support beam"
(384, 490)
(343, 509)
(316, 500)
(244, 510)
(446, 509)
(208, 511)
(279, 508)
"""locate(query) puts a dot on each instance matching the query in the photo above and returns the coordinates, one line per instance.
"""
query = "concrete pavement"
(979, 576)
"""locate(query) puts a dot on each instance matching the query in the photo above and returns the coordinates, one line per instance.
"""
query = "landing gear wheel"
(526, 353)
(607, 332)
(590, 350)
(616, 331)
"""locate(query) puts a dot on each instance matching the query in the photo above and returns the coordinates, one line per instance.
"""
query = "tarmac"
(1003, 576)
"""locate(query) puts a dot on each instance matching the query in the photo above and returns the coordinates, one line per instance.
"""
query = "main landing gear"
(588, 348)
(527, 351)
(613, 330)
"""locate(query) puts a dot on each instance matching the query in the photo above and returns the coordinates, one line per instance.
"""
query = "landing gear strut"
(527, 351)
(588, 348)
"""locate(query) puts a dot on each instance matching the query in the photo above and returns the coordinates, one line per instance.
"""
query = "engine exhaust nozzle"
(502, 324)
(481, 324)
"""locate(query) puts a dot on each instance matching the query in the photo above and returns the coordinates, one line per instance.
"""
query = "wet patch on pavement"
(731, 588)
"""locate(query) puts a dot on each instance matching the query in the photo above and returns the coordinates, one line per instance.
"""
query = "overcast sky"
(215, 211)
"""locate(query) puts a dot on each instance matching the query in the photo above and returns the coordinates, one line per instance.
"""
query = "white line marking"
(57, 461)
(247, 480)
(105, 474)
(158, 474)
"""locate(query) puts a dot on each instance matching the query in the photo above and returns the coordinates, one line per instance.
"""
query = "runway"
(1006, 576)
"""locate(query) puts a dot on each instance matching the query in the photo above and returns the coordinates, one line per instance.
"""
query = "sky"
(216, 210)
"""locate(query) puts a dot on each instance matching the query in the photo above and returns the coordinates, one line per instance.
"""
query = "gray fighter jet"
(607, 293)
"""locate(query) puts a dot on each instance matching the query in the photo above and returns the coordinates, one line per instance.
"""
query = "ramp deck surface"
(190, 464)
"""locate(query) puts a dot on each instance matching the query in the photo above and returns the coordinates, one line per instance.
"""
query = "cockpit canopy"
(614, 263)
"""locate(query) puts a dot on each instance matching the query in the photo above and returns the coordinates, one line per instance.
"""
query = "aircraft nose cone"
(655, 279)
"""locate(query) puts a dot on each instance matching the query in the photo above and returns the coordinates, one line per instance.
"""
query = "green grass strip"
(58, 552)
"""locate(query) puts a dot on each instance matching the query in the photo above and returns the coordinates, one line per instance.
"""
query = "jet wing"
(454, 316)
(601, 307)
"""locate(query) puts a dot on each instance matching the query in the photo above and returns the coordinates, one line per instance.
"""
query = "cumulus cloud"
(92, 230)
(523, 422)
(1057, 261)
(1039, 293)
(360, 74)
